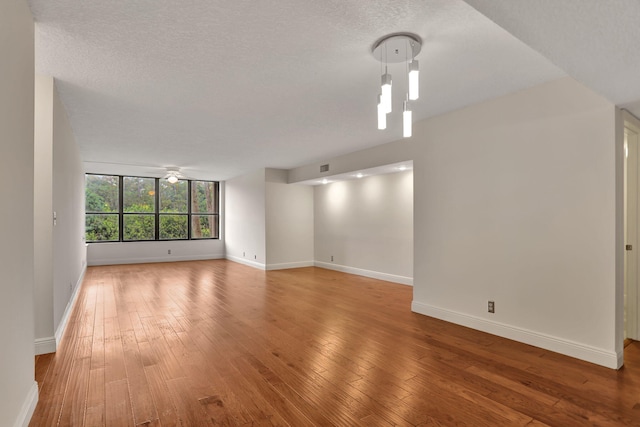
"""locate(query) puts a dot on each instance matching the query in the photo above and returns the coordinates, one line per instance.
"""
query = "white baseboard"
(45, 345)
(609, 359)
(248, 262)
(367, 273)
(67, 311)
(28, 407)
(145, 260)
(286, 265)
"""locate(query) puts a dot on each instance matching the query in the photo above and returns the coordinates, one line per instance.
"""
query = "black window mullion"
(157, 213)
(216, 185)
(189, 237)
(121, 209)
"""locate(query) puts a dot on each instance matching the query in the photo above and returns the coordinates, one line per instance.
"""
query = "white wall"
(69, 250)
(140, 252)
(60, 253)
(518, 205)
(367, 226)
(43, 211)
(18, 390)
(289, 222)
(245, 217)
(517, 201)
(381, 155)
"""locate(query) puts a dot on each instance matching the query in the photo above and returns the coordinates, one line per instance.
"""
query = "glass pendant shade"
(382, 116)
(414, 81)
(406, 121)
(386, 92)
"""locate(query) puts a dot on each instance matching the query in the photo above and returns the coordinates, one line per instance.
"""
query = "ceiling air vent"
(324, 168)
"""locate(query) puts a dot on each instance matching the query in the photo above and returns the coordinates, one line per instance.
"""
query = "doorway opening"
(631, 228)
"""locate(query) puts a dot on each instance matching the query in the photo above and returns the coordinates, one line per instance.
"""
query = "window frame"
(156, 214)
(216, 185)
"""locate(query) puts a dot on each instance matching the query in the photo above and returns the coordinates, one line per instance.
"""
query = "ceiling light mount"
(397, 47)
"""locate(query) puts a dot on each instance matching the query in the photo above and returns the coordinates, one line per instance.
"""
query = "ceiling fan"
(173, 175)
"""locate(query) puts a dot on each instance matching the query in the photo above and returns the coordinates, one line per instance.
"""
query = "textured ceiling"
(220, 88)
(594, 41)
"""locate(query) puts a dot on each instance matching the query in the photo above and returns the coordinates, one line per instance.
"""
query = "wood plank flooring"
(208, 343)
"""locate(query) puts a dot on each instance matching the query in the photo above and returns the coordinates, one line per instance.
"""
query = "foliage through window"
(103, 207)
(204, 208)
(128, 208)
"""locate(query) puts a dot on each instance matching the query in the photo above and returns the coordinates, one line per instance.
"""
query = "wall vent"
(324, 168)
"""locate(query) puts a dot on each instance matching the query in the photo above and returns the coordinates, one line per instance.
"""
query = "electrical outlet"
(169, 252)
(243, 254)
(331, 258)
(70, 286)
(492, 307)
(255, 257)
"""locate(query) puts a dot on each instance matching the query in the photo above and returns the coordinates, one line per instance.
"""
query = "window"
(102, 206)
(174, 212)
(204, 208)
(139, 200)
(128, 208)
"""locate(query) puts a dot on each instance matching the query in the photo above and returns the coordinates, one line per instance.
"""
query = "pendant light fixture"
(397, 48)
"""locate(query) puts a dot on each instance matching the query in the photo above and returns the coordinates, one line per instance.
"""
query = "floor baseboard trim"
(147, 260)
(67, 311)
(248, 262)
(286, 265)
(28, 407)
(609, 359)
(366, 273)
(45, 345)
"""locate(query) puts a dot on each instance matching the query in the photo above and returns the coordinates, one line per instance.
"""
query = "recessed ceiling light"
(325, 181)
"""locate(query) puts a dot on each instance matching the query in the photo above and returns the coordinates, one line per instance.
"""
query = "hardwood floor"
(207, 343)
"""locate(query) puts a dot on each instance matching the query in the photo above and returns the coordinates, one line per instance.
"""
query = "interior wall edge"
(598, 356)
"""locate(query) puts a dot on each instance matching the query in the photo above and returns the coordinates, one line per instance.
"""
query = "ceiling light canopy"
(397, 48)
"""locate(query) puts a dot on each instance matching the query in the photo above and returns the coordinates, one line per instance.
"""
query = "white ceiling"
(220, 88)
